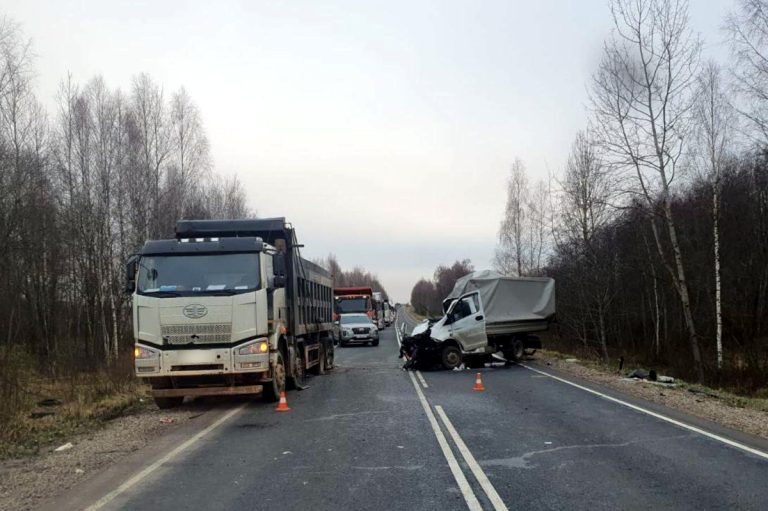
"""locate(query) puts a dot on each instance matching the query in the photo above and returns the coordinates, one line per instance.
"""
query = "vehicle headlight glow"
(254, 348)
(140, 352)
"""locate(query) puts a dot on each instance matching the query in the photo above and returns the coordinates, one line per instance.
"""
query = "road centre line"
(422, 380)
(485, 484)
(466, 490)
(683, 425)
(106, 499)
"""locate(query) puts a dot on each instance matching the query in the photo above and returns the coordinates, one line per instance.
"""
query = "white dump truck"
(228, 307)
(487, 313)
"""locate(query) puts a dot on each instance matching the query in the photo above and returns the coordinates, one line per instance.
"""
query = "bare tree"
(716, 121)
(584, 210)
(642, 99)
(748, 31)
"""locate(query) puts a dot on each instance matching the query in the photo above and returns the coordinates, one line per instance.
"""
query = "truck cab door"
(468, 322)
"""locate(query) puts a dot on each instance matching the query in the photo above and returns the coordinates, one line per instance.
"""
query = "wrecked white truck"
(485, 314)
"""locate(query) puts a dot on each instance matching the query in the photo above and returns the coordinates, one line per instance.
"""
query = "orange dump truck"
(353, 300)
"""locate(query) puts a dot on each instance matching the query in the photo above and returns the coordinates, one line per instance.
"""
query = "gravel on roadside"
(698, 404)
(26, 482)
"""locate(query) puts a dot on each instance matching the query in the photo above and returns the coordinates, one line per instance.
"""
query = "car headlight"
(140, 352)
(258, 347)
(346, 332)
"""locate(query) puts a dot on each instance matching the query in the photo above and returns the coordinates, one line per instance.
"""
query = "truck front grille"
(203, 333)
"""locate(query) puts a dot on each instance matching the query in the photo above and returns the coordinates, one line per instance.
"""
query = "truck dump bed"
(510, 304)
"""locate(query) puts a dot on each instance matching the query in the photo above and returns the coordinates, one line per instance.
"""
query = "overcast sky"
(383, 130)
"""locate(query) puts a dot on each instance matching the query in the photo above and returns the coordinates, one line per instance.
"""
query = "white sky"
(383, 130)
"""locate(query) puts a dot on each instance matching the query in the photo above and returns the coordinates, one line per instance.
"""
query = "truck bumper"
(208, 391)
(199, 362)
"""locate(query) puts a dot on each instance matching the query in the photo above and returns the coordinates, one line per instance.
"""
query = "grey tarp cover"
(509, 298)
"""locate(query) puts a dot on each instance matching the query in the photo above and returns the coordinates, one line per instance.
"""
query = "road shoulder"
(700, 412)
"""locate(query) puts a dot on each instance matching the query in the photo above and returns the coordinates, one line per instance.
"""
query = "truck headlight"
(140, 352)
(258, 347)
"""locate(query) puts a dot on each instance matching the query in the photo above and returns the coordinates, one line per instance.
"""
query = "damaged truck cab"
(487, 313)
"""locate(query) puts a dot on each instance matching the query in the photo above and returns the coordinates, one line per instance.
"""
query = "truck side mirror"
(130, 274)
(278, 269)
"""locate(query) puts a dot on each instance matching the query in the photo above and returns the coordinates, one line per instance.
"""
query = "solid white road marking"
(485, 484)
(466, 490)
(683, 425)
(422, 380)
(106, 499)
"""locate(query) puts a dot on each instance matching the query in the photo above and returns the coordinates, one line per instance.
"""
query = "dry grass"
(84, 401)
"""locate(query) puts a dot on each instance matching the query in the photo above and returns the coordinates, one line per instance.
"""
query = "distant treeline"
(81, 188)
(427, 295)
(357, 276)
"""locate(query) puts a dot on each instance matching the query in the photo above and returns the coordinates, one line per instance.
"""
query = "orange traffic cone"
(478, 384)
(282, 406)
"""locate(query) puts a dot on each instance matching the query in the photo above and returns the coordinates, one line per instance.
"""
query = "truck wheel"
(296, 380)
(516, 351)
(450, 357)
(319, 368)
(271, 391)
(164, 403)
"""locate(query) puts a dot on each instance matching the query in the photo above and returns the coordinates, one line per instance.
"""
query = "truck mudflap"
(208, 391)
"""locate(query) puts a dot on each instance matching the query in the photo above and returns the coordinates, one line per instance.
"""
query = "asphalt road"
(371, 436)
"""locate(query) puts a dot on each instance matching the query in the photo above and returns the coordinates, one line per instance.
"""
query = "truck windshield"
(351, 305)
(219, 274)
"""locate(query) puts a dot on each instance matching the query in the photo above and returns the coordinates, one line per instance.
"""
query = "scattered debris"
(167, 420)
(64, 447)
(571, 360)
(79, 471)
(547, 443)
(640, 374)
(287, 452)
(703, 392)
(40, 414)
(665, 379)
(49, 402)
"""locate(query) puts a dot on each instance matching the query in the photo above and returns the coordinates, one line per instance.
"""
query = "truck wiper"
(220, 292)
(162, 293)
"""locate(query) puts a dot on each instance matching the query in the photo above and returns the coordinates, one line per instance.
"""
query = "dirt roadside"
(26, 482)
(742, 414)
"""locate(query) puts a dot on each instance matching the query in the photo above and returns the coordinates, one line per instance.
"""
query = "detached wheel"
(516, 351)
(450, 357)
(164, 403)
(271, 391)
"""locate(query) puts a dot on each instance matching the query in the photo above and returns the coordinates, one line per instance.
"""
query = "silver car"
(357, 328)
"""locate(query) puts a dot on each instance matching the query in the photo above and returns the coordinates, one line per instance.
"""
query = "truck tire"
(516, 351)
(450, 357)
(271, 390)
(319, 368)
(329, 357)
(164, 403)
(296, 380)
